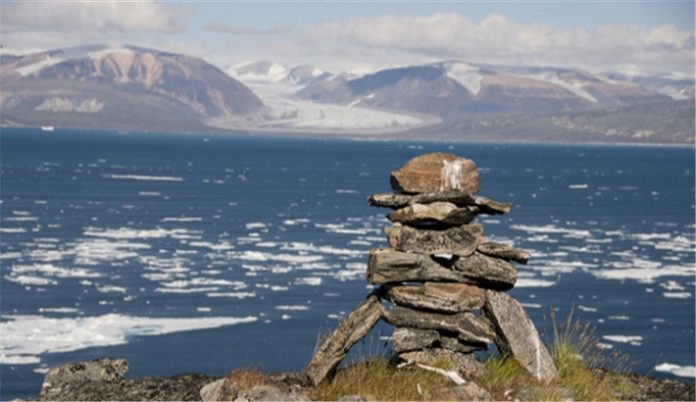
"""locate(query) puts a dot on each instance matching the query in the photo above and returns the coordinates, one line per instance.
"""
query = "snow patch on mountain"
(466, 75)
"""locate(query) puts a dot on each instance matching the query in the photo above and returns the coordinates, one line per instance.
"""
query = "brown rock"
(444, 297)
(468, 327)
(455, 345)
(500, 250)
(458, 198)
(465, 364)
(436, 172)
(334, 349)
(461, 240)
(518, 337)
(435, 213)
(387, 265)
(408, 339)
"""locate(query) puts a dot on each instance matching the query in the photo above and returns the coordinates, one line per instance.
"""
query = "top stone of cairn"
(436, 172)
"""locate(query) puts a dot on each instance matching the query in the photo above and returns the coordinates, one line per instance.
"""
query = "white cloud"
(498, 39)
(94, 17)
(34, 26)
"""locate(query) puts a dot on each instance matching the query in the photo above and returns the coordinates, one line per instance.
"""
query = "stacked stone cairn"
(444, 282)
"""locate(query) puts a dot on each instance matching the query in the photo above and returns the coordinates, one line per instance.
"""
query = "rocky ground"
(104, 379)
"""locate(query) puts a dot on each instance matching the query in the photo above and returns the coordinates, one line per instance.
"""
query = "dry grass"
(377, 379)
(245, 379)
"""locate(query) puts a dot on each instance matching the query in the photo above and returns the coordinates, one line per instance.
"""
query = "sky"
(633, 37)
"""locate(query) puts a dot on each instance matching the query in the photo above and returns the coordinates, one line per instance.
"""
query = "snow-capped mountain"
(118, 86)
(271, 72)
(456, 89)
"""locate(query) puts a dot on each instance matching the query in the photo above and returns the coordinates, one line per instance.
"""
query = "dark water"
(204, 253)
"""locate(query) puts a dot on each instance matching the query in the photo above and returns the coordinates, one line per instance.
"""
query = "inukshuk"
(443, 281)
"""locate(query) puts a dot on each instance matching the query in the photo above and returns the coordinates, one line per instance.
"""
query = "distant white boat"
(47, 128)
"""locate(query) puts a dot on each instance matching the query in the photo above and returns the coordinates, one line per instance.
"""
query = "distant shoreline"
(367, 137)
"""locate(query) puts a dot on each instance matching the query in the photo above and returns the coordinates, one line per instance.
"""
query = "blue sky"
(635, 37)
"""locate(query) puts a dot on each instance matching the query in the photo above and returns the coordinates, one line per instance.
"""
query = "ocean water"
(205, 253)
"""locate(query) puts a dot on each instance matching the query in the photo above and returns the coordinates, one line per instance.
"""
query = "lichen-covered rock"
(467, 326)
(460, 240)
(408, 339)
(518, 337)
(218, 390)
(465, 364)
(436, 172)
(459, 198)
(388, 266)
(465, 392)
(443, 297)
(500, 250)
(444, 213)
(60, 379)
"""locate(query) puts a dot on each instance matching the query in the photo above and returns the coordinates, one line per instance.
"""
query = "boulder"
(461, 240)
(467, 326)
(350, 330)
(518, 337)
(436, 172)
(408, 339)
(218, 390)
(453, 344)
(465, 364)
(461, 199)
(500, 250)
(443, 297)
(431, 214)
(387, 266)
(58, 379)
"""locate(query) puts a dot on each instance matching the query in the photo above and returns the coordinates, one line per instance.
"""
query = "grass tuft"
(245, 379)
(378, 379)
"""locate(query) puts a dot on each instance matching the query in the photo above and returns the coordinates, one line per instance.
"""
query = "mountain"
(270, 72)
(118, 87)
(455, 89)
(666, 122)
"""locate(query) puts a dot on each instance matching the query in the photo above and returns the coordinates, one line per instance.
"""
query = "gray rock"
(465, 364)
(437, 212)
(466, 392)
(334, 349)
(518, 337)
(461, 199)
(461, 240)
(408, 339)
(551, 394)
(453, 344)
(436, 172)
(387, 266)
(467, 326)
(60, 378)
(219, 390)
(504, 251)
(270, 393)
(444, 297)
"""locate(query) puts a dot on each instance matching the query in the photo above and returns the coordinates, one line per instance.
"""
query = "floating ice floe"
(634, 340)
(286, 307)
(675, 369)
(26, 337)
(141, 177)
(533, 283)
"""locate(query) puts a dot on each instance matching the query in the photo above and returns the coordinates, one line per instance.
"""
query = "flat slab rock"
(500, 250)
(350, 330)
(436, 172)
(387, 266)
(459, 198)
(518, 337)
(461, 240)
(443, 297)
(444, 213)
(411, 339)
(468, 327)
